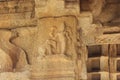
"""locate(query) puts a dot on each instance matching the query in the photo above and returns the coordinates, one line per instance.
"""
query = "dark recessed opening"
(84, 5)
(95, 65)
(118, 50)
(118, 65)
(94, 51)
(112, 32)
(96, 77)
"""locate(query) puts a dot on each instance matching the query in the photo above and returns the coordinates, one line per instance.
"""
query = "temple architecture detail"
(59, 39)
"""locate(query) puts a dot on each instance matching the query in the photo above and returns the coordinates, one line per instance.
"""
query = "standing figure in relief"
(61, 41)
(57, 42)
(70, 45)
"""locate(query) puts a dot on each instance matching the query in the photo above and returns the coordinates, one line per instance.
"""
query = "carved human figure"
(57, 42)
(70, 39)
(61, 41)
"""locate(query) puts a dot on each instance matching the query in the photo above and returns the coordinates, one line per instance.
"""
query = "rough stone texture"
(14, 76)
(59, 39)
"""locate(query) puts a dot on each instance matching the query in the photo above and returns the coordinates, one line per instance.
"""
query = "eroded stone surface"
(59, 39)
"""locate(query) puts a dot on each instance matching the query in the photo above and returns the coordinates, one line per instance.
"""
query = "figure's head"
(53, 31)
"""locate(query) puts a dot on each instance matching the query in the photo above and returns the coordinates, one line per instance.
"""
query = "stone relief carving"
(58, 40)
(48, 39)
(105, 8)
(57, 43)
(61, 41)
(14, 53)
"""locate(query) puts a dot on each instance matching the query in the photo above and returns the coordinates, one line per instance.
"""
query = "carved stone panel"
(59, 39)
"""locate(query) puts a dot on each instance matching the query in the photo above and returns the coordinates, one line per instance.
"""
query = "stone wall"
(59, 39)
